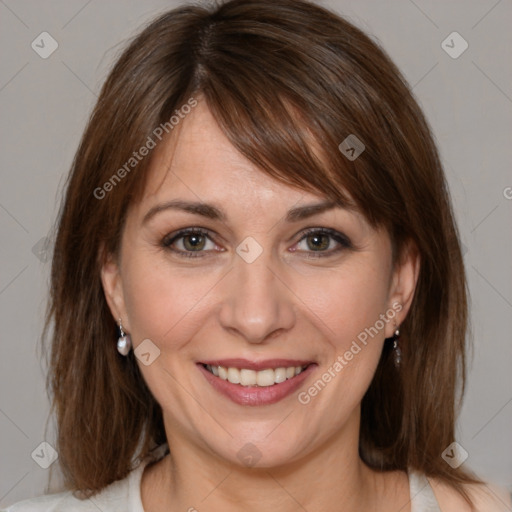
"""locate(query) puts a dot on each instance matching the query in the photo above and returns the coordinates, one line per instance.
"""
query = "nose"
(257, 303)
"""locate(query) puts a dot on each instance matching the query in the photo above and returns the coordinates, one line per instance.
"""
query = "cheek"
(346, 301)
(168, 304)
(347, 305)
(163, 304)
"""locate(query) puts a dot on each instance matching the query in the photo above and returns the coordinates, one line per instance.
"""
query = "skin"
(282, 305)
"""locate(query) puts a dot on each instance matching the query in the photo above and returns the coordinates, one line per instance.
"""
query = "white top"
(124, 495)
(422, 496)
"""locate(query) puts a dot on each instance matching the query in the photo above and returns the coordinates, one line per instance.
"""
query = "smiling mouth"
(262, 378)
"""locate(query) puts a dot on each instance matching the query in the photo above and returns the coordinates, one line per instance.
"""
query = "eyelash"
(343, 241)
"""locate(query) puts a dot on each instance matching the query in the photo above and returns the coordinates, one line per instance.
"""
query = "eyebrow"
(212, 212)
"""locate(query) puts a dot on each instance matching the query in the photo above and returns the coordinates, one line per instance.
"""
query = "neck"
(332, 477)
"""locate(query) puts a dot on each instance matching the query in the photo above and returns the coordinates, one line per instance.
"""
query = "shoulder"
(486, 498)
(114, 498)
(50, 503)
(120, 496)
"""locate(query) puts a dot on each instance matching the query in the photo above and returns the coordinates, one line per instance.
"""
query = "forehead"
(198, 163)
(200, 153)
(200, 159)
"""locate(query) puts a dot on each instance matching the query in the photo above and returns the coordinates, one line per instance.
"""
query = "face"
(252, 290)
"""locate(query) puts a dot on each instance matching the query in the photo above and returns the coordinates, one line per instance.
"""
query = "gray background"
(44, 104)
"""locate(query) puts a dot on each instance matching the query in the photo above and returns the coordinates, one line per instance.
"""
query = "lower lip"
(255, 395)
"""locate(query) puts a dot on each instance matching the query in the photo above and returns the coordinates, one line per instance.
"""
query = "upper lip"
(257, 365)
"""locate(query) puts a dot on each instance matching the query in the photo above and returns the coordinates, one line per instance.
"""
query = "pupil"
(316, 238)
(196, 241)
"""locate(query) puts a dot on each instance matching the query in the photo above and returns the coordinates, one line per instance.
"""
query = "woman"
(258, 215)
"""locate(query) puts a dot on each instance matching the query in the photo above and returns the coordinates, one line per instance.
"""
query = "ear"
(403, 284)
(112, 282)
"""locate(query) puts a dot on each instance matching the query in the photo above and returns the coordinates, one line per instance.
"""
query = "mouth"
(250, 383)
(248, 377)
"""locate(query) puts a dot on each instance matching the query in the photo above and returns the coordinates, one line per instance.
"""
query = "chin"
(253, 451)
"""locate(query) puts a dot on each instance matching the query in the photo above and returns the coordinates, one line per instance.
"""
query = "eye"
(193, 242)
(319, 240)
(189, 241)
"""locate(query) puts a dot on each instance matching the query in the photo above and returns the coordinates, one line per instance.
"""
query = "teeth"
(223, 373)
(265, 377)
(279, 375)
(262, 378)
(247, 377)
(233, 375)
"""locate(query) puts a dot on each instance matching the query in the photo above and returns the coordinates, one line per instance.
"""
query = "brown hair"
(276, 75)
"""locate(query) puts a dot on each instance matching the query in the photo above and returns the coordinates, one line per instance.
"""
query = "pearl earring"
(124, 343)
(397, 353)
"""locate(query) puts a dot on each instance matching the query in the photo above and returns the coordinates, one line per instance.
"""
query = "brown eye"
(194, 242)
(189, 241)
(319, 240)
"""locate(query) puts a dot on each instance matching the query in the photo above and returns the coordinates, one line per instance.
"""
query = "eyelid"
(343, 241)
(335, 234)
(171, 238)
